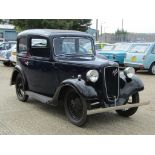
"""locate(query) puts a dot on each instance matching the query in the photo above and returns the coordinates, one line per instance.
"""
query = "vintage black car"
(61, 67)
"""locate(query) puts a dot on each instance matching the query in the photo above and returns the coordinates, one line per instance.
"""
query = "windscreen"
(139, 48)
(73, 46)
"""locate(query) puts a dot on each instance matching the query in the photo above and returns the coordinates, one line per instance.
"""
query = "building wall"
(131, 37)
(8, 34)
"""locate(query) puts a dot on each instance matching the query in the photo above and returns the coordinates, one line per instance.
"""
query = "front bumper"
(120, 107)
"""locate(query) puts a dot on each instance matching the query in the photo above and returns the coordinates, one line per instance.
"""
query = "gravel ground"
(35, 118)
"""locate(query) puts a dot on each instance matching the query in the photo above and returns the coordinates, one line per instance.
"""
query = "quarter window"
(22, 45)
(40, 47)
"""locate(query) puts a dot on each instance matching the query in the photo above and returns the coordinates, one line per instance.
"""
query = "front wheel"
(75, 108)
(20, 91)
(129, 112)
(152, 69)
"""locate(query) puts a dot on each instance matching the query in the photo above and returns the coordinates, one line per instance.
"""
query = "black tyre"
(129, 112)
(152, 69)
(6, 63)
(20, 90)
(75, 108)
(136, 69)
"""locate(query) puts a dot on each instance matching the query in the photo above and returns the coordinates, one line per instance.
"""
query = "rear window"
(122, 47)
(139, 48)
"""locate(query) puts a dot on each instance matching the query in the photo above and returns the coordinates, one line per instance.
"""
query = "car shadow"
(94, 121)
(57, 111)
(106, 118)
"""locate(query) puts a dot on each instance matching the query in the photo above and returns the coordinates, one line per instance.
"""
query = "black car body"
(61, 67)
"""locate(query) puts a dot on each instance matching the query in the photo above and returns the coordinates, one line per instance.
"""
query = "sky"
(138, 15)
(110, 25)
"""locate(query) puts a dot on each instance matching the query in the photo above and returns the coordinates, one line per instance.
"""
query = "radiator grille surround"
(111, 80)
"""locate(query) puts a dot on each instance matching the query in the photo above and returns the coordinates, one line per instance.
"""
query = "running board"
(127, 106)
(39, 97)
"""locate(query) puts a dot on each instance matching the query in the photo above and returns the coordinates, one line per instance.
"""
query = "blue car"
(141, 56)
(117, 53)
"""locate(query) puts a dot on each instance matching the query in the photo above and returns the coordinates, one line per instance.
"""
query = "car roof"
(51, 32)
(142, 43)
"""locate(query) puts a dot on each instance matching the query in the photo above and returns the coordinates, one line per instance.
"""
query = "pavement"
(35, 118)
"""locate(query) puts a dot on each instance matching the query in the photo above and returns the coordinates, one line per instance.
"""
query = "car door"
(40, 71)
(150, 57)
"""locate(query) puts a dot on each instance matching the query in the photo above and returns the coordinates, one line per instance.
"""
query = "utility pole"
(122, 24)
(105, 38)
(122, 36)
(101, 29)
(96, 29)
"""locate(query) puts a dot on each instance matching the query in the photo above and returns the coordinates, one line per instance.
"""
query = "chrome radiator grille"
(111, 78)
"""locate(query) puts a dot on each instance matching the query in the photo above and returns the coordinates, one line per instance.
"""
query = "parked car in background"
(6, 45)
(141, 56)
(117, 53)
(61, 69)
(5, 53)
(107, 47)
(2, 40)
(13, 57)
(99, 45)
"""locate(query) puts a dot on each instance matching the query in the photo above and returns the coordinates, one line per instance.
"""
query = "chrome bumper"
(126, 106)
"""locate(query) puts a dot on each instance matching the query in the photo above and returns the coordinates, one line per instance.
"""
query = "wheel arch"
(152, 63)
(15, 72)
(84, 91)
(13, 77)
(150, 68)
(60, 94)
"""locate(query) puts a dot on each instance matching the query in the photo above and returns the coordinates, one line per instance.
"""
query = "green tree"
(74, 24)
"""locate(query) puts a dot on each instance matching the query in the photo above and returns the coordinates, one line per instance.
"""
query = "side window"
(40, 47)
(22, 45)
(7, 46)
(2, 46)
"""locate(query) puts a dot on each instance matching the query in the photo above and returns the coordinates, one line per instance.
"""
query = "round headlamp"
(92, 75)
(129, 72)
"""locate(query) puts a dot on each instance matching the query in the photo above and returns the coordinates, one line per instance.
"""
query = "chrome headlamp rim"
(92, 75)
(129, 72)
